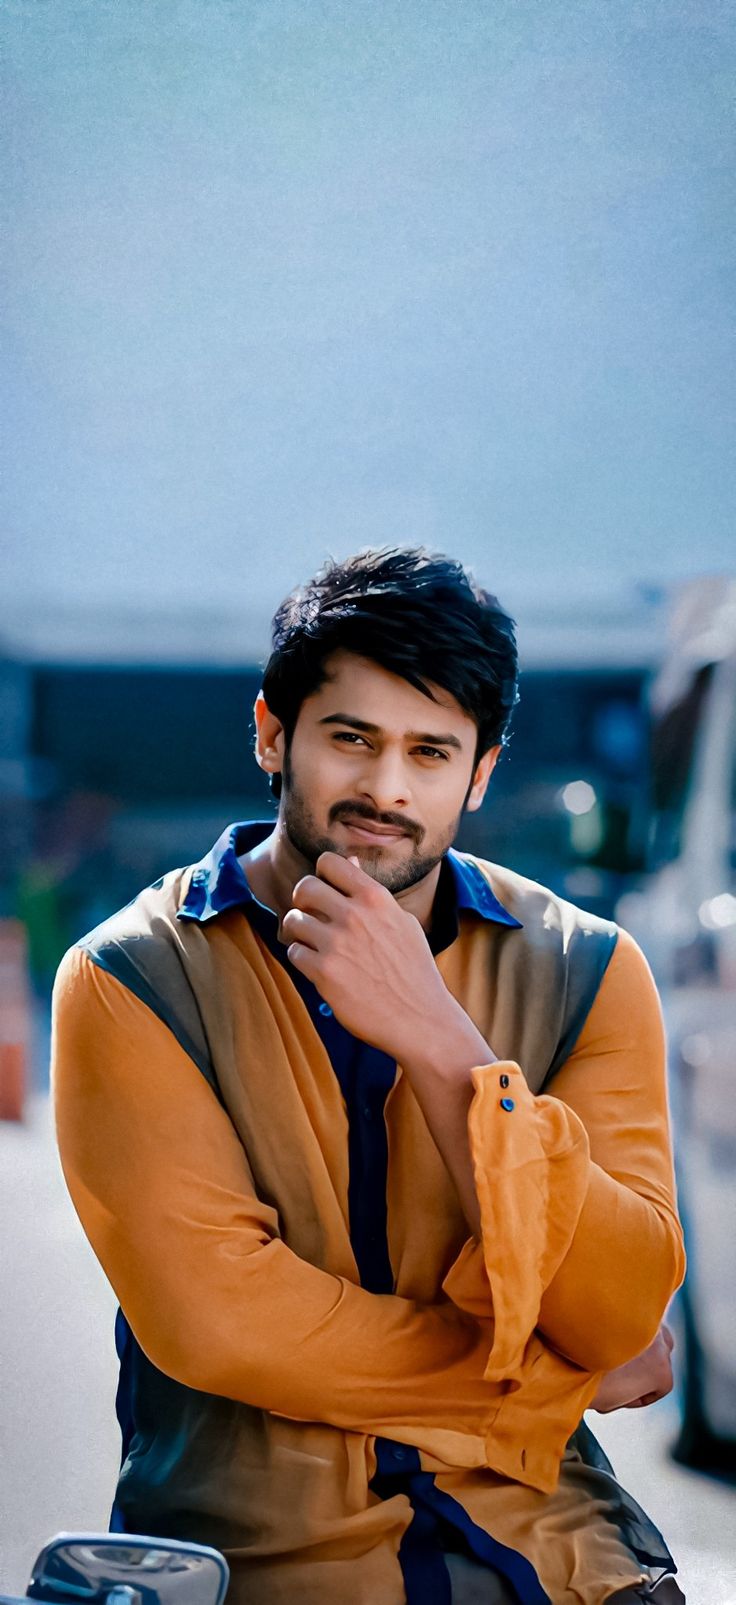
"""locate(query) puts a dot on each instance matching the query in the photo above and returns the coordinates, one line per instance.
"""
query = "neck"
(274, 866)
(272, 869)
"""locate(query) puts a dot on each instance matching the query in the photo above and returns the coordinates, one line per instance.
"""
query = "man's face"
(378, 771)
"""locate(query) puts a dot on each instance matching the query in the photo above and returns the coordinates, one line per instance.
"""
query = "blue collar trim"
(473, 891)
(218, 883)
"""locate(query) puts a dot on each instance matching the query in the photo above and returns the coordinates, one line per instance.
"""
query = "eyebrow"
(423, 736)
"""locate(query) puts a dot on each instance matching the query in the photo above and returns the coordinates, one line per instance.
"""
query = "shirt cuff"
(531, 1163)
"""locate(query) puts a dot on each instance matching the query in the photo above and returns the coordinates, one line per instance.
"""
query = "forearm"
(620, 1237)
(580, 1233)
(627, 1252)
(216, 1298)
(441, 1079)
(627, 1255)
(221, 1311)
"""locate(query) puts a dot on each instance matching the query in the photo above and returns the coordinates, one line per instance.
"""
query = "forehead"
(356, 685)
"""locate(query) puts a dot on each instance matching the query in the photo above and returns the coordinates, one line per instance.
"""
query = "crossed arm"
(161, 1183)
(590, 1250)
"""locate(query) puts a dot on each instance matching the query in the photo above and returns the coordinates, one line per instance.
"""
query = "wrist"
(449, 1046)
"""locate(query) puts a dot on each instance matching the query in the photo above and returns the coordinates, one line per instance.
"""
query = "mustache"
(355, 810)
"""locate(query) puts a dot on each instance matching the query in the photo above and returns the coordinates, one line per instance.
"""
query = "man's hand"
(368, 958)
(641, 1381)
(372, 963)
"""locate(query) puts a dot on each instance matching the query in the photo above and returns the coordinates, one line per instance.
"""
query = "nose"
(384, 782)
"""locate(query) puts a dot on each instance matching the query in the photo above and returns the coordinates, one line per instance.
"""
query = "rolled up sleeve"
(580, 1235)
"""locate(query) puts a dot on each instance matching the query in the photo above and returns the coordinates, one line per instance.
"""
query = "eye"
(349, 736)
(432, 752)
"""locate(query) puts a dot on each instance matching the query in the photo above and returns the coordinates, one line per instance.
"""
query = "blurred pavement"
(59, 1445)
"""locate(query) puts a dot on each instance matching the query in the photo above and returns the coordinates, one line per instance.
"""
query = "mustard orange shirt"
(222, 1219)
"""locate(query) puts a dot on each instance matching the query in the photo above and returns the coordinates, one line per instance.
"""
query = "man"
(371, 1139)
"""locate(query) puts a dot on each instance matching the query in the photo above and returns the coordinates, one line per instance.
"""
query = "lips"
(370, 828)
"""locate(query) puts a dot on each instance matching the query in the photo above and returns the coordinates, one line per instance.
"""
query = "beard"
(309, 840)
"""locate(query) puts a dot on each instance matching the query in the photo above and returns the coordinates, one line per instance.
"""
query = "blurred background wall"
(288, 278)
(303, 274)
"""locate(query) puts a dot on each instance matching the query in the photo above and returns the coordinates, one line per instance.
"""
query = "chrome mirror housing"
(127, 1569)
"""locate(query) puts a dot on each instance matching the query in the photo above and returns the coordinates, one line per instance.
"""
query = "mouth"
(372, 833)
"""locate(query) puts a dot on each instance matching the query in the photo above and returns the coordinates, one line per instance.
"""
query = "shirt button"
(504, 1080)
(325, 1009)
(507, 1103)
(367, 1112)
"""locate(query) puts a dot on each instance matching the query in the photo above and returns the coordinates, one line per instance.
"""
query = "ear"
(483, 772)
(270, 738)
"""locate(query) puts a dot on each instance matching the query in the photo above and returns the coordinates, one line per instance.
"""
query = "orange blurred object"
(15, 1019)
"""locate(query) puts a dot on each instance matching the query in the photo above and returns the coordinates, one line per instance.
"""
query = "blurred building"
(127, 745)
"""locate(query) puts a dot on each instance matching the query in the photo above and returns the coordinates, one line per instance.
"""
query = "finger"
(305, 960)
(344, 873)
(318, 897)
(297, 926)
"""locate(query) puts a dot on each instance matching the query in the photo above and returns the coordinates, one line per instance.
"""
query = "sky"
(289, 277)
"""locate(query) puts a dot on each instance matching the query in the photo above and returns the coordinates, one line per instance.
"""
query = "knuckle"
(368, 902)
(304, 890)
(375, 893)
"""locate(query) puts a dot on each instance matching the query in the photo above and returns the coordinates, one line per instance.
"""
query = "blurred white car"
(684, 916)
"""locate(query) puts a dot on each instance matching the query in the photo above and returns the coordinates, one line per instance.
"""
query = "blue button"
(507, 1103)
(325, 1009)
(504, 1081)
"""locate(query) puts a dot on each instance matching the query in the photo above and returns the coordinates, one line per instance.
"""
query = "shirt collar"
(218, 883)
(474, 892)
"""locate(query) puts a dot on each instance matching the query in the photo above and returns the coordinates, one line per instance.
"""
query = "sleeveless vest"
(529, 990)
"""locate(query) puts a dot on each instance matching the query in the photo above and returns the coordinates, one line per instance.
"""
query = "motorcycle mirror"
(127, 1569)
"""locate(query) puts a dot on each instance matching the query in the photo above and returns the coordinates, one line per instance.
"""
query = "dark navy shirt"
(366, 1076)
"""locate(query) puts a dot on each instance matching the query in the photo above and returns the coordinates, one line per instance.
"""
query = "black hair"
(418, 614)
